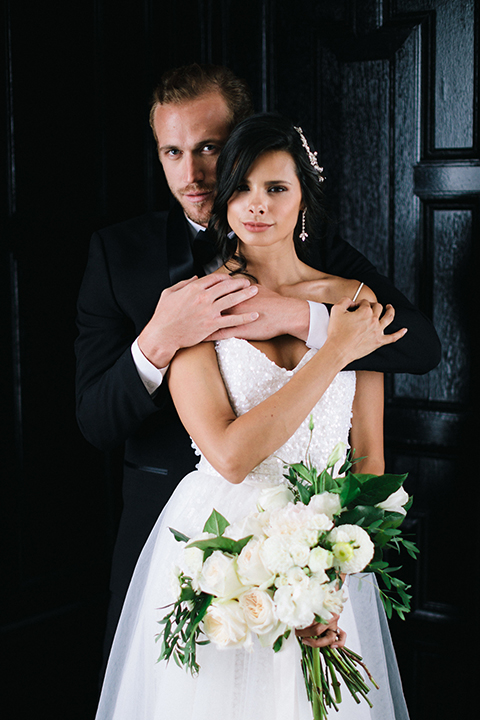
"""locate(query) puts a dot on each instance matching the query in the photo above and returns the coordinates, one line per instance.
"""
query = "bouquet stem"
(321, 666)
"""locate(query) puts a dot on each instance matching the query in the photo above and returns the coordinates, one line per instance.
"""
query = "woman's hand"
(359, 328)
(321, 635)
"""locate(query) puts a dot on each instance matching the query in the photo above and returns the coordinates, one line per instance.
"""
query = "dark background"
(388, 91)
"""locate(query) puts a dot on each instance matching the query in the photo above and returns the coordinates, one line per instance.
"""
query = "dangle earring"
(303, 235)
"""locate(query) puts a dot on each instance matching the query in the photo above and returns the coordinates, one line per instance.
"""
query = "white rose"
(224, 624)
(275, 555)
(274, 497)
(395, 501)
(259, 611)
(320, 559)
(249, 525)
(352, 548)
(300, 552)
(250, 567)
(219, 576)
(327, 503)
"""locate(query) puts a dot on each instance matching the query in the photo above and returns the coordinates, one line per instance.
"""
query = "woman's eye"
(242, 188)
(277, 188)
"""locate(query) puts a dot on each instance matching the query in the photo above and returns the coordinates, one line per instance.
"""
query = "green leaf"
(234, 547)
(179, 537)
(350, 490)
(377, 488)
(364, 515)
(304, 472)
(216, 524)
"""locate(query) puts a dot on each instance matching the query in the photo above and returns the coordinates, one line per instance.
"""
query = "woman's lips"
(256, 226)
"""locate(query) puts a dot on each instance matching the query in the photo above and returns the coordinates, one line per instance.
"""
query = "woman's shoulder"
(325, 288)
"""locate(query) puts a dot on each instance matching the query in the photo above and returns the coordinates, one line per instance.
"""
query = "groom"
(140, 302)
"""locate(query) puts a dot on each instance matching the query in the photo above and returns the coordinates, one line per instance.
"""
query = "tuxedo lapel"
(179, 251)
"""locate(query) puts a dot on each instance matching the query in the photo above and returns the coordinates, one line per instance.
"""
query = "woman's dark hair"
(253, 137)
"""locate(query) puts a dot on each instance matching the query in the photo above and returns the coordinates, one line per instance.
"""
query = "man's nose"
(193, 171)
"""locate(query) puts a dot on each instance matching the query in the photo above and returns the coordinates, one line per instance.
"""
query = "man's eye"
(172, 152)
(210, 149)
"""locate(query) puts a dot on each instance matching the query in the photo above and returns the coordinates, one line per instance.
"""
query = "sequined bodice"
(250, 377)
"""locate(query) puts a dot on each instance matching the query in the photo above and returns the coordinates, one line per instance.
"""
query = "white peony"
(219, 576)
(352, 548)
(224, 624)
(297, 518)
(395, 501)
(250, 567)
(274, 497)
(293, 606)
(327, 503)
(275, 554)
(259, 611)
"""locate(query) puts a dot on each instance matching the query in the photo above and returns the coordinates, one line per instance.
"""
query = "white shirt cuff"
(319, 319)
(150, 375)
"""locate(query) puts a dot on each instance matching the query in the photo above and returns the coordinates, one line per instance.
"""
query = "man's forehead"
(192, 121)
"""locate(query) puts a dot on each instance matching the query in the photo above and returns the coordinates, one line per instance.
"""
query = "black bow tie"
(204, 250)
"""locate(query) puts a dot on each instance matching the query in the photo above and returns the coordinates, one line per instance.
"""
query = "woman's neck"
(274, 267)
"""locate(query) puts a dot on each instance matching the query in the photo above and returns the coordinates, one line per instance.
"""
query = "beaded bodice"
(250, 377)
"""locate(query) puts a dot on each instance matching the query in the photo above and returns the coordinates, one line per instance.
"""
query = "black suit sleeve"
(112, 401)
(419, 351)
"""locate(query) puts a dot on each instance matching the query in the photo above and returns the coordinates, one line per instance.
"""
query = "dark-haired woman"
(247, 408)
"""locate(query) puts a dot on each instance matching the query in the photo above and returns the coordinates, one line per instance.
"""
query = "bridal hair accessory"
(303, 235)
(312, 156)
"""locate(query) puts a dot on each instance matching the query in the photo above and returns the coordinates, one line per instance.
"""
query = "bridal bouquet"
(280, 569)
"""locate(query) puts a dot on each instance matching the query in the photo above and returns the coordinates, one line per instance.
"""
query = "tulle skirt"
(231, 684)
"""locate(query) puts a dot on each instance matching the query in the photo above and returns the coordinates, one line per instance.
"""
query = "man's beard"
(198, 212)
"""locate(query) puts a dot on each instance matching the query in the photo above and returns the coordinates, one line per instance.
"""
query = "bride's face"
(264, 208)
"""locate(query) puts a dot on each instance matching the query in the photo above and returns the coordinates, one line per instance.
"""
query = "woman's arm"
(366, 435)
(235, 445)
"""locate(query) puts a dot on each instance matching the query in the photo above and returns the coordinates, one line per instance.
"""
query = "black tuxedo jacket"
(128, 267)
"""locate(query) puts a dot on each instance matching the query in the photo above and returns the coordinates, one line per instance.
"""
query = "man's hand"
(277, 315)
(192, 311)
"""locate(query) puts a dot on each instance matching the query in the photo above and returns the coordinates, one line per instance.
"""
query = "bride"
(247, 406)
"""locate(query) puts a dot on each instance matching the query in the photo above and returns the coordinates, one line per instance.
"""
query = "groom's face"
(190, 136)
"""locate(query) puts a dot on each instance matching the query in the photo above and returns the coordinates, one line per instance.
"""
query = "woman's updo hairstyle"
(253, 137)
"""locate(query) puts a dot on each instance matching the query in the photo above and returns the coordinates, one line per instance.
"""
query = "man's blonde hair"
(192, 81)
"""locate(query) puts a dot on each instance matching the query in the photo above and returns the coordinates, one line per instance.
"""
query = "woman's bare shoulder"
(325, 288)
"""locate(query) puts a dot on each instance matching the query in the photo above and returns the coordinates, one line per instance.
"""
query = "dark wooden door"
(388, 90)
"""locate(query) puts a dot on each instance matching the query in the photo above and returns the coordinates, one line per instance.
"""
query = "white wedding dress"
(236, 684)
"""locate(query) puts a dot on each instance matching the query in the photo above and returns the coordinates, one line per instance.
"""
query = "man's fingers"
(225, 302)
(232, 321)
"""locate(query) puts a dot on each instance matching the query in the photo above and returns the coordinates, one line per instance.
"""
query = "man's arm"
(112, 399)
(419, 351)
